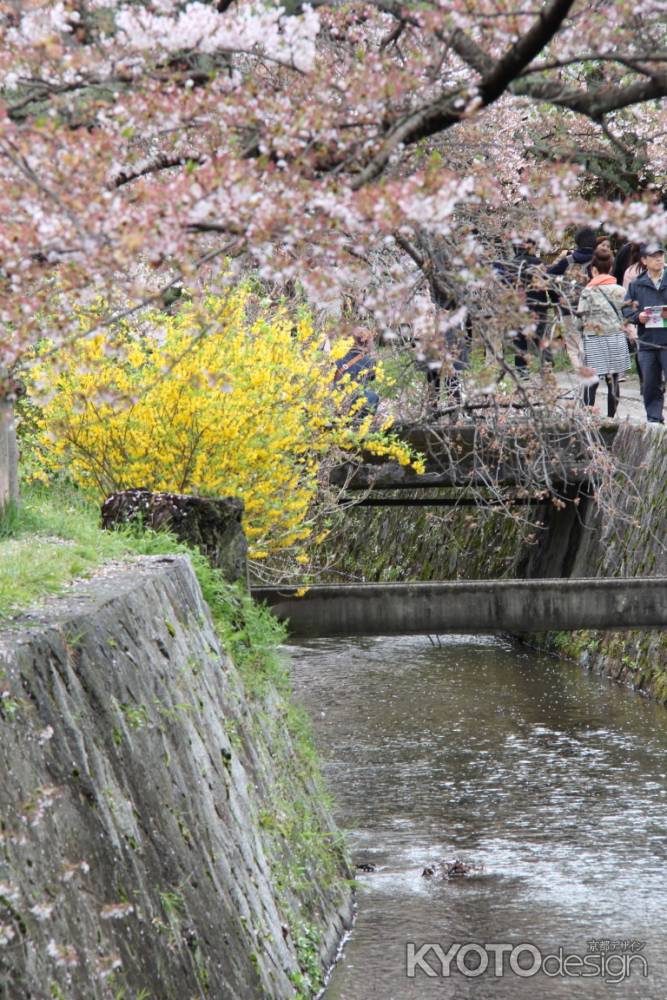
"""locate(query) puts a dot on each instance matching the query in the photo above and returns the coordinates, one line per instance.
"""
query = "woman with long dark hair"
(634, 266)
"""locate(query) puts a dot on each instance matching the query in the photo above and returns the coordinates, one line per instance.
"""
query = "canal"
(551, 781)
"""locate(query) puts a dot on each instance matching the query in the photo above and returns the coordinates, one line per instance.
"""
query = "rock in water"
(211, 524)
(450, 869)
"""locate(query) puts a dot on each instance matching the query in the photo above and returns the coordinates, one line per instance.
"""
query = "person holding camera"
(359, 366)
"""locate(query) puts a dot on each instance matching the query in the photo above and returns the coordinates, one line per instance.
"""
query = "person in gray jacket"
(646, 305)
(604, 346)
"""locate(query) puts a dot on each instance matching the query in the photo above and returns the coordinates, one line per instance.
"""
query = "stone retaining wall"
(160, 830)
(627, 536)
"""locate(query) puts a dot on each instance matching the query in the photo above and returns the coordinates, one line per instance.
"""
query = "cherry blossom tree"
(145, 144)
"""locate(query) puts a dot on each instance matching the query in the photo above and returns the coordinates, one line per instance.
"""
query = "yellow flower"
(220, 399)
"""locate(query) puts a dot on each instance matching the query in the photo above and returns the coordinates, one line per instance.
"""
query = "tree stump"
(212, 525)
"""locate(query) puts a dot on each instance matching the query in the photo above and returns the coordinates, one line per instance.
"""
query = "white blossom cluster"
(201, 28)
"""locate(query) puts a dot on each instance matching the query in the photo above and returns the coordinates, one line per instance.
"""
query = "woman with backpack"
(567, 278)
(577, 261)
(602, 324)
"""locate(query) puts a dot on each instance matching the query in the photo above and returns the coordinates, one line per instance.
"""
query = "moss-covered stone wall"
(626, 535)
(418, 543)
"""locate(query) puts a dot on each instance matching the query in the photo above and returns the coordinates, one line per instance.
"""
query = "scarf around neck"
(601, 279)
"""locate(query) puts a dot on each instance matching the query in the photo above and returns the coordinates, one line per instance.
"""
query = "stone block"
(211, 524)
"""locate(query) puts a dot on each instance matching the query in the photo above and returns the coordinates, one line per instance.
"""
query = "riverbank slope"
(165, 833)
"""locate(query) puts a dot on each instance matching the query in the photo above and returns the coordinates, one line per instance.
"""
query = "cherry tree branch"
(162, 163)
(444, 113)
(522, 53)
(593, 103)
(468, 50)
(632, 62)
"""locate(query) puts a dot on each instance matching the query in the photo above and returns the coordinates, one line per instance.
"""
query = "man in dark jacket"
(646, 305)
(566, 280)
(580, 257)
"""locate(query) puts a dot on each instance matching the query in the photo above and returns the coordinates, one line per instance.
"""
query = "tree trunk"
(9, 480)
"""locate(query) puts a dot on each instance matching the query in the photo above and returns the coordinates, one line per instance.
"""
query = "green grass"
(51, 538)
(54, 536)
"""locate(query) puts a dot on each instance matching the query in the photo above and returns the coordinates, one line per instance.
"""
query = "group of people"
(612, 307)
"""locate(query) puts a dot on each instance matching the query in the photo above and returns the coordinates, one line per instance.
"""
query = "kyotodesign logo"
(611, 960)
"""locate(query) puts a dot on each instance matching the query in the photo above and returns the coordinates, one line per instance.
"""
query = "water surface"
(553, 780)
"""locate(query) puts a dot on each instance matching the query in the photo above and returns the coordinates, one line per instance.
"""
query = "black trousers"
(613, 394)
(653, 363)
(523, 346)
(634, 349)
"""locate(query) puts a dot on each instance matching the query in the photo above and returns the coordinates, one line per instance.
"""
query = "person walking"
(646, 305)
(566, 280)
(600, 316)
(359, 367)
(525, 273)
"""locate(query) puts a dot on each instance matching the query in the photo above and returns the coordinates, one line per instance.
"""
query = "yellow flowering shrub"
(224, 398)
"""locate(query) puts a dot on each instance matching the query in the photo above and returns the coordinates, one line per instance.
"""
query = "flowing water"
(552, 780)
